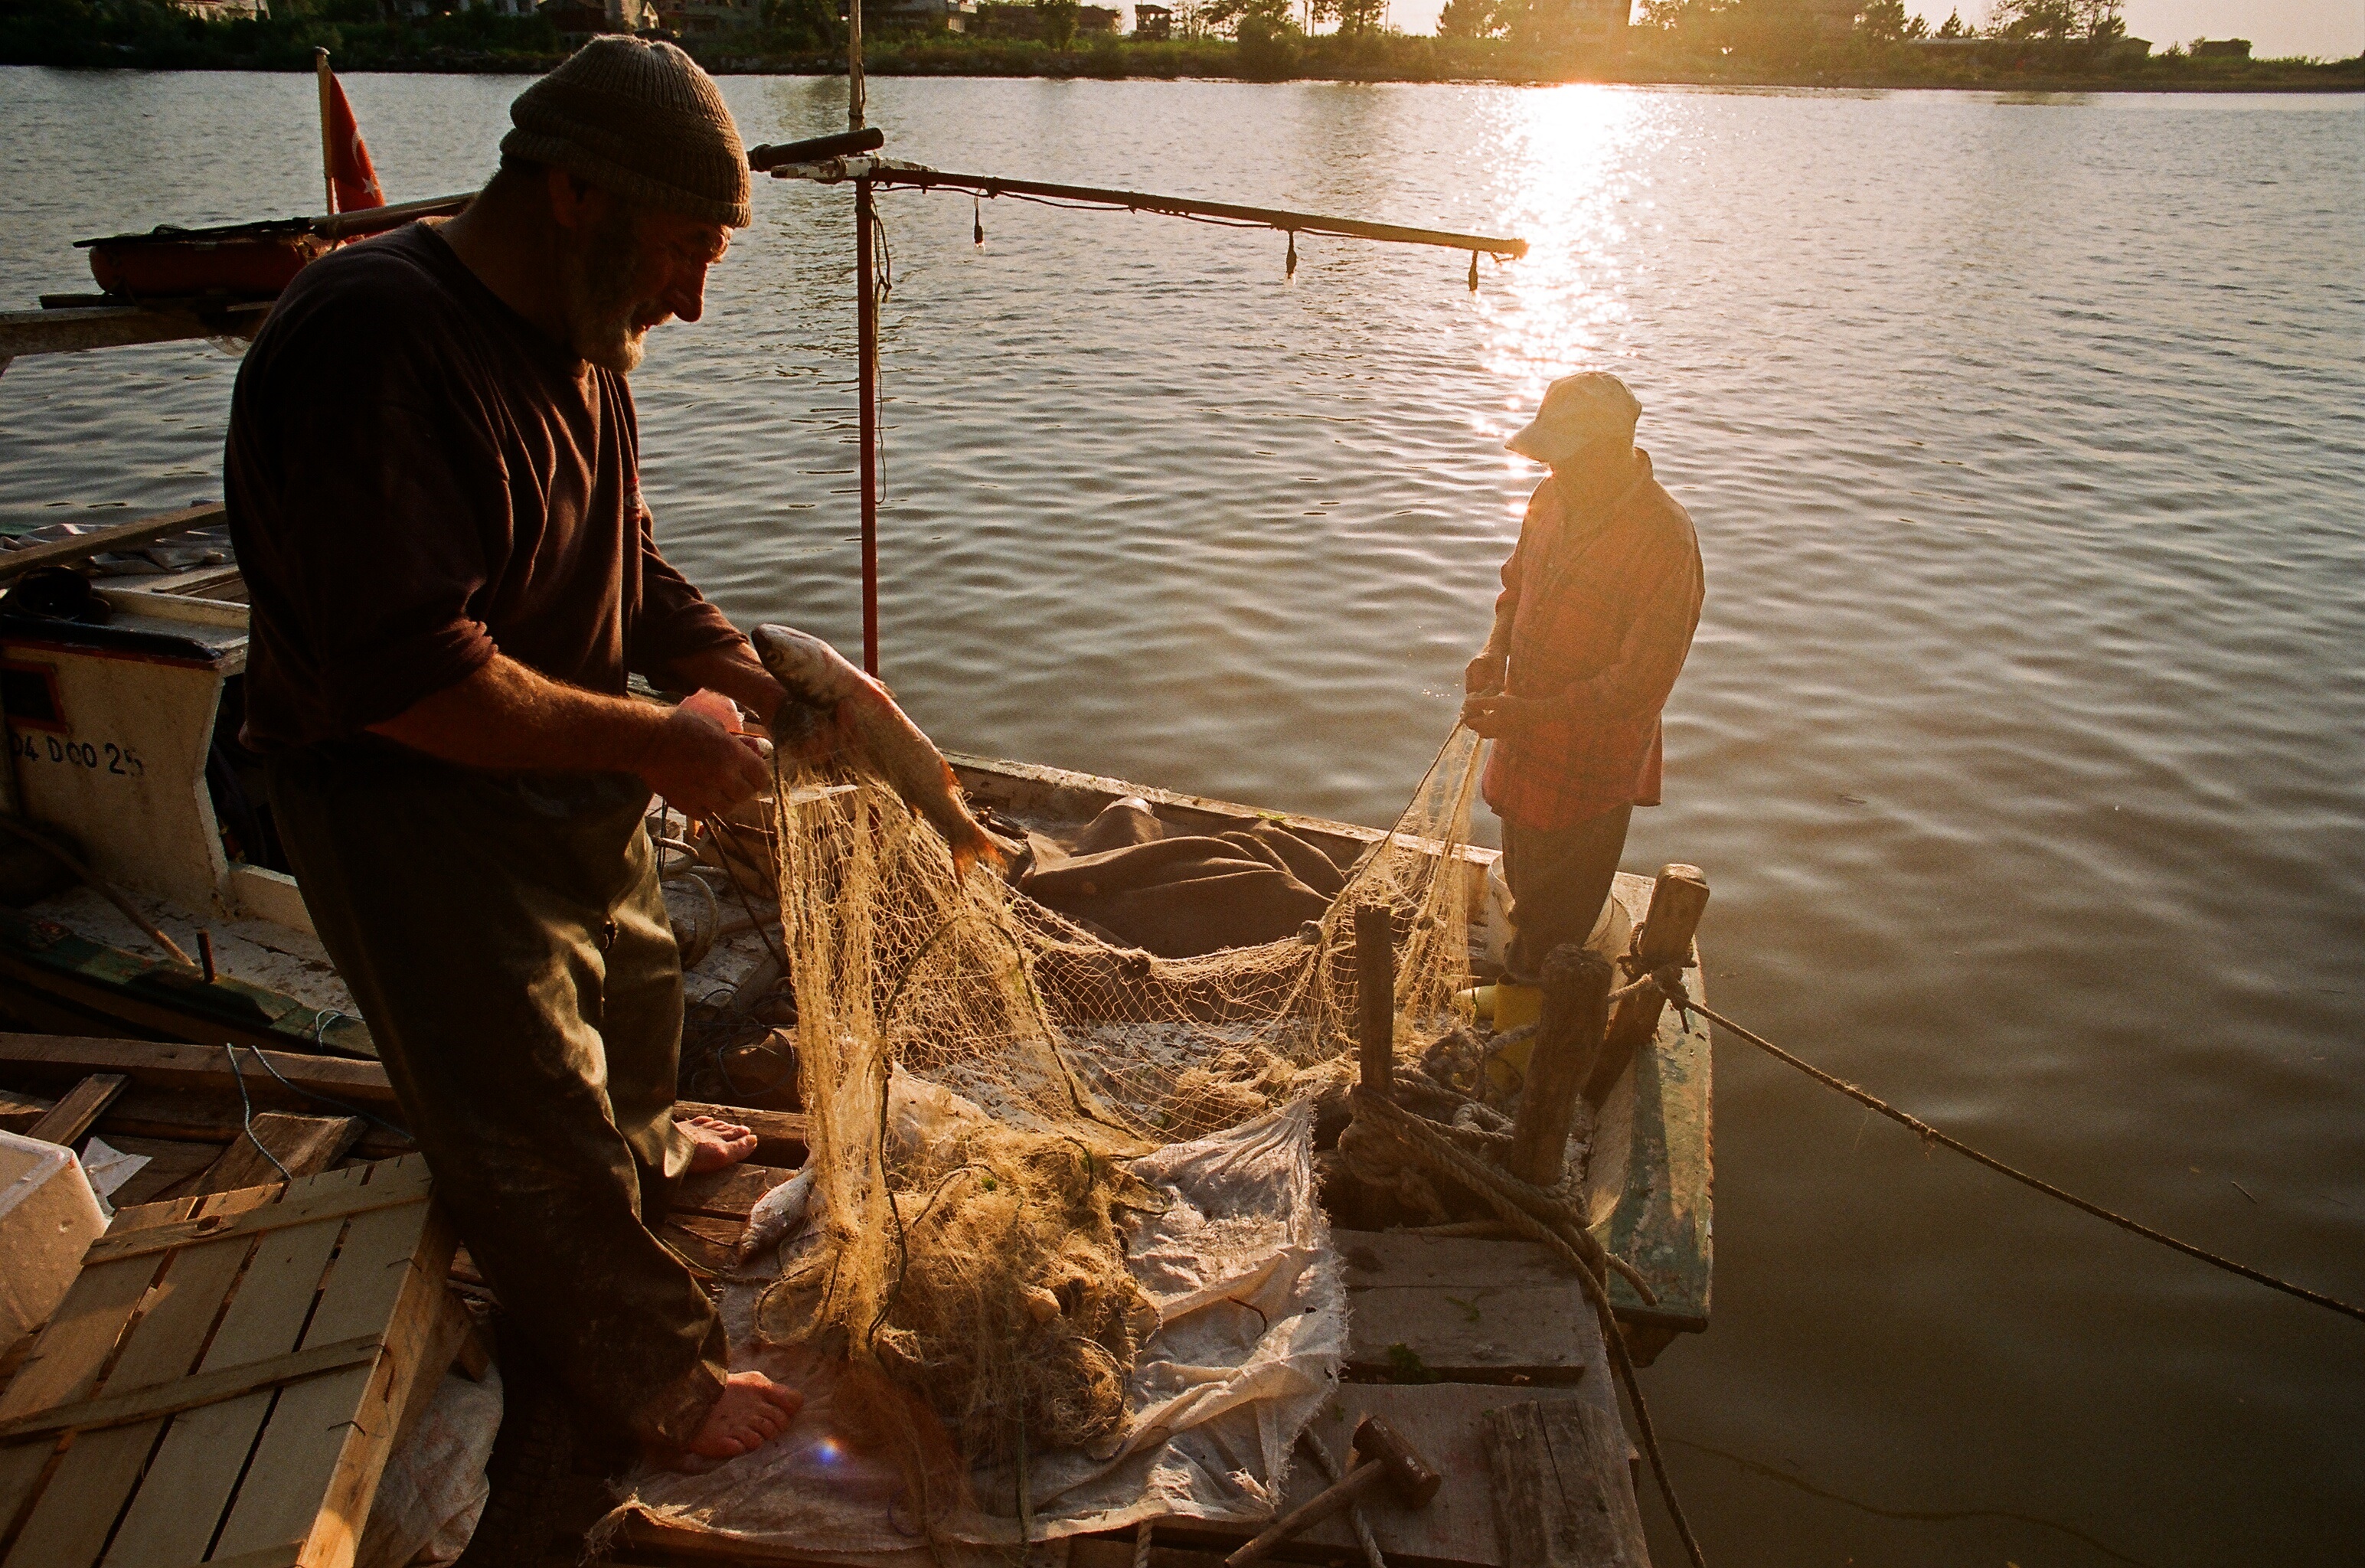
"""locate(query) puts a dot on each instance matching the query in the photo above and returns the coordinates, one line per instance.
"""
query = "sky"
(2333, 29)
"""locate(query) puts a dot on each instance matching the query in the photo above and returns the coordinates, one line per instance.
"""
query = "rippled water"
(2022, 742)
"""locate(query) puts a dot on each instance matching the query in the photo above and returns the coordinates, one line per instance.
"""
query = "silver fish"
(819, 676)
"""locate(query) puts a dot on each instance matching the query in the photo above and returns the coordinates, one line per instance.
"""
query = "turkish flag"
(349, 169)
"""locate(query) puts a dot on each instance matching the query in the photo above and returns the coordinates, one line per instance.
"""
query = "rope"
(1416, 1138)
(1670, 982)
(246, 1115)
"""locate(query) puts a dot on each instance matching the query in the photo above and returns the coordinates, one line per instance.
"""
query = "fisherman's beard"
(605, 321)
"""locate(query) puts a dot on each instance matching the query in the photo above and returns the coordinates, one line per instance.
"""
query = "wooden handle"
(1359, 1479)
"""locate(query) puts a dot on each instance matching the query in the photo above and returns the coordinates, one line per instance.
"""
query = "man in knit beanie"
(433, 478)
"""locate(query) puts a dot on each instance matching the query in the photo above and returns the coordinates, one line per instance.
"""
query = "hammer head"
(1403, 1471)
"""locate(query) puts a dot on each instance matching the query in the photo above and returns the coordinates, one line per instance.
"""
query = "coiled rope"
(1670, 983)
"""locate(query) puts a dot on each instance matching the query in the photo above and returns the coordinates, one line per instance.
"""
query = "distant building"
(2221, 48)
(1094, 20)
(1152, 22)
(924, 16)
(706, 16)
(579, 16)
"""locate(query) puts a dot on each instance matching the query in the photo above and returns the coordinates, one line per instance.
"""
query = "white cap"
(1579, 410)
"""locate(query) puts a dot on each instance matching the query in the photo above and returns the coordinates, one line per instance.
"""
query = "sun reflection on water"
(1569, 157)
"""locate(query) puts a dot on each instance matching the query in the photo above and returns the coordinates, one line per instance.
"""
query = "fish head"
(810, 669)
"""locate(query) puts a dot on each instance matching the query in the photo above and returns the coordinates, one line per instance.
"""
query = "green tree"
(1058, 21)
(1953, 26)
(1474, 19)
(2096, 19)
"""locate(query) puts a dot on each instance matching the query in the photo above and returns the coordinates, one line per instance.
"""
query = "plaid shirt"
(1603, 600)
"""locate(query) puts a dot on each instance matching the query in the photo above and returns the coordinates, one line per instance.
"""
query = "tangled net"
(983, 1270)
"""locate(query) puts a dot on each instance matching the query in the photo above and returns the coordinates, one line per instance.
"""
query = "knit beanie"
(639, 119)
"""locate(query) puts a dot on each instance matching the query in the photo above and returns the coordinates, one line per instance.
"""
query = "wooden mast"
(328, 137)
(867, 333)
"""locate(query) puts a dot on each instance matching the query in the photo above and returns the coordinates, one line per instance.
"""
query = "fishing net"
(979, 1263)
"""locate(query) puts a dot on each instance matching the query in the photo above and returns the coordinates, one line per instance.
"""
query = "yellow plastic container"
(1515, 1005)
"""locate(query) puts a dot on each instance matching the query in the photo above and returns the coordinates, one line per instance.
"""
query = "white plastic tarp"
(1251, 1328)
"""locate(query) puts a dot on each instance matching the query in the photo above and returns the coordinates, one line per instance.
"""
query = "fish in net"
(978, 1262)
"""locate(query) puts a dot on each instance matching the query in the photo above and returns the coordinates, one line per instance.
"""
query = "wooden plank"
(1456, 1529)
(132, 535)
(20, 1110)
(163, 1064)
(780, 1134)
(104, 1307)
(400, 1182)
(176, 1393)
(72, 1115)
(303, 1146)
(730, 1193)
(170, 1164)
(94, 327)
(1420, 1307)
(1562, 1489)
(326, 1442)
(173, 1518)
(704, 1242)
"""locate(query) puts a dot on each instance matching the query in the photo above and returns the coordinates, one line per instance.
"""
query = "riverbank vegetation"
(2036, 44)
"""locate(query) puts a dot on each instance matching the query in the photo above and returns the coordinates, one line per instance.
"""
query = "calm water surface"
(2022, 741)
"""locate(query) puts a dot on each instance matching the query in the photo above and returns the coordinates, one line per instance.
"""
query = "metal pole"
(867, 318)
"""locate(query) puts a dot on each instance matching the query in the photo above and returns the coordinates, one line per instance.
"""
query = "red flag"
(351, 174)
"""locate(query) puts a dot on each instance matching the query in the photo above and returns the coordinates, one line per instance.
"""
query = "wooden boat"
(240, 261)
(114, 730)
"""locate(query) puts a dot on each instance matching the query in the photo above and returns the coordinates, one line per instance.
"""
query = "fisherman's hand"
(1484, 673)
(1503, 718)
(699, 767)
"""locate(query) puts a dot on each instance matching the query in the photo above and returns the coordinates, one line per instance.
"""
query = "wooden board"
(302, 1146)
(1423, 1308)
(1456, 1530)
(1563, 1491)
(72, 1116)
(285, 1471)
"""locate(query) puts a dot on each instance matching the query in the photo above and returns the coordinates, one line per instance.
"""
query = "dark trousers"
(507, 943)
(1559, 879)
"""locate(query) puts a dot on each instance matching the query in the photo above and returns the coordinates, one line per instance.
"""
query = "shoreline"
(477, 43)
(532, 65)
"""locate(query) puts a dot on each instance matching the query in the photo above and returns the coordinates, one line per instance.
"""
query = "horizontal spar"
(1184, 206)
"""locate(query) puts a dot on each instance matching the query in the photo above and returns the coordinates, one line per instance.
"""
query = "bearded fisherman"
(433, 484)
(1600, 601)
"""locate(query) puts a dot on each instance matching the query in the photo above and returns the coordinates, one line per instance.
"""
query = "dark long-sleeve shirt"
(417, 480)
(1604, 596)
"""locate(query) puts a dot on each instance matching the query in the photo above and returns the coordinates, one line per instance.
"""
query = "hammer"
(1381, 1458)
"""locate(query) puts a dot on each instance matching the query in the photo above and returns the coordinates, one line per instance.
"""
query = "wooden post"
(1677, 897)
(1376, 997)
(1568, 1042)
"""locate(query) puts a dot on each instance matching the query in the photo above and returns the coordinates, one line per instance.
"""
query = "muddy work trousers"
(507, 943)
(1559, 879)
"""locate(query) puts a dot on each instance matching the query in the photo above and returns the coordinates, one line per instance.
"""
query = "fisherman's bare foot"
(752, 1412)
(715, 1143)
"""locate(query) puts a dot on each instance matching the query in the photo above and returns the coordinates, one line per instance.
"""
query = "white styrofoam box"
(48, 1217)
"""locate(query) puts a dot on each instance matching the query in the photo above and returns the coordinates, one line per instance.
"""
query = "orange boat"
(248, 260)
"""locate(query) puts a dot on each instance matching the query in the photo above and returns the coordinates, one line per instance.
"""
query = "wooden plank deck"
(227, 1376)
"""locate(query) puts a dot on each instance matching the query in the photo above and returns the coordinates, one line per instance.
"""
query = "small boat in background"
(238, 260)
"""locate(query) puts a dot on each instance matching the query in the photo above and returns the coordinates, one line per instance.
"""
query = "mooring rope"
(1669, 980)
